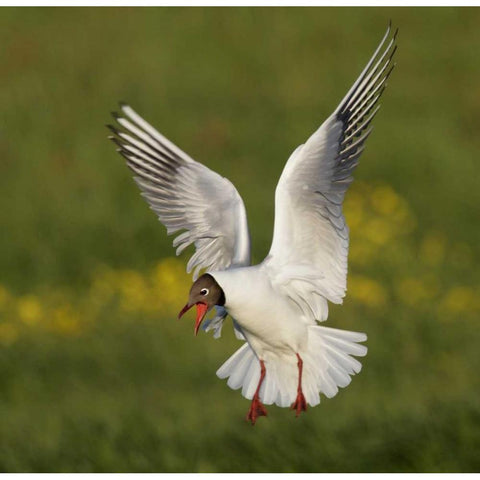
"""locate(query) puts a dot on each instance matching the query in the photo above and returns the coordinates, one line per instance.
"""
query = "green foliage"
(95, 374)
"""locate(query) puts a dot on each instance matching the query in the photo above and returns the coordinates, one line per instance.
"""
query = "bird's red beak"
(201, 312)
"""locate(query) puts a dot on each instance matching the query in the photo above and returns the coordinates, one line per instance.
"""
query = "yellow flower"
(366, 291)
(460, 299)
(402, 217)
(378, 231)
(432, 248)
(378, 216)
(354, 210)
(133, 290)
(29, 309)
(65, 320)
(169, 283)
(384, 200)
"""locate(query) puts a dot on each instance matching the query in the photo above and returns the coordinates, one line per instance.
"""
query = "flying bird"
(287, 358)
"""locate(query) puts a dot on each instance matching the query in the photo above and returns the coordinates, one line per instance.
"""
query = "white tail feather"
(327, 365)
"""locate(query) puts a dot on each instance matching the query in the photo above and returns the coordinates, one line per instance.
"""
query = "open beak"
(185, 309)
(202, 309)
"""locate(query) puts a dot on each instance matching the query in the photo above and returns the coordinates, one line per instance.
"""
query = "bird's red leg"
(300, 404)
(257, 408)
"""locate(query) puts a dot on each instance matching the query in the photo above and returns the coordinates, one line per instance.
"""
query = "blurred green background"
(95, 372)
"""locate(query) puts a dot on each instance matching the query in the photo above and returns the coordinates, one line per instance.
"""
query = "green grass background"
(238, 89)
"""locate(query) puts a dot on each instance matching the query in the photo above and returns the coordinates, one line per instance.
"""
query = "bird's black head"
(205, 294)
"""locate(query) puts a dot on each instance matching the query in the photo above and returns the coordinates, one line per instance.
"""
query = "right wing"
(185, 195)
(308, 256)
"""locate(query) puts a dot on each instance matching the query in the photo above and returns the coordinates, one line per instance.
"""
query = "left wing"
(308, 256)
(185, 195)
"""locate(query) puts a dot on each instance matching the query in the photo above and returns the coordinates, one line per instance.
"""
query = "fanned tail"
(328, 363)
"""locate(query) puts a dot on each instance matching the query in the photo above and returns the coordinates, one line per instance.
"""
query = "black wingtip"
(117, 142)
(115, 115)
(122, 104)
(393, 52)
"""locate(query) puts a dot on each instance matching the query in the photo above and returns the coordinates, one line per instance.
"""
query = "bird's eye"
(204, 291)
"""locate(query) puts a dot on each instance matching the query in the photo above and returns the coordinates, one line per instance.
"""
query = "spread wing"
(308, 256)
(186, 196)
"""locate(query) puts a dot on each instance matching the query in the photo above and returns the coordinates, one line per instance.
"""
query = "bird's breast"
(268, 319)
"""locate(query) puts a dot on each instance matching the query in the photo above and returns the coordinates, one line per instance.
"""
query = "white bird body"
(276, 305)
(269, 321)
(276, 329)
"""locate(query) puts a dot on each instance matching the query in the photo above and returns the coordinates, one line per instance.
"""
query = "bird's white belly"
(269, 321)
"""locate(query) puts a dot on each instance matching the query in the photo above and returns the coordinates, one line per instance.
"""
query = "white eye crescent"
(204, 291)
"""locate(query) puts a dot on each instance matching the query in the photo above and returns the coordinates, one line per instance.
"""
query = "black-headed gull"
(287, 358)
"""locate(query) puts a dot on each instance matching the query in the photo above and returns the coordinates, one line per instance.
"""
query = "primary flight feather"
(287, 358)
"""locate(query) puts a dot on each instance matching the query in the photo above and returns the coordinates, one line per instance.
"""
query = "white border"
(246, 476)
(240, 3)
